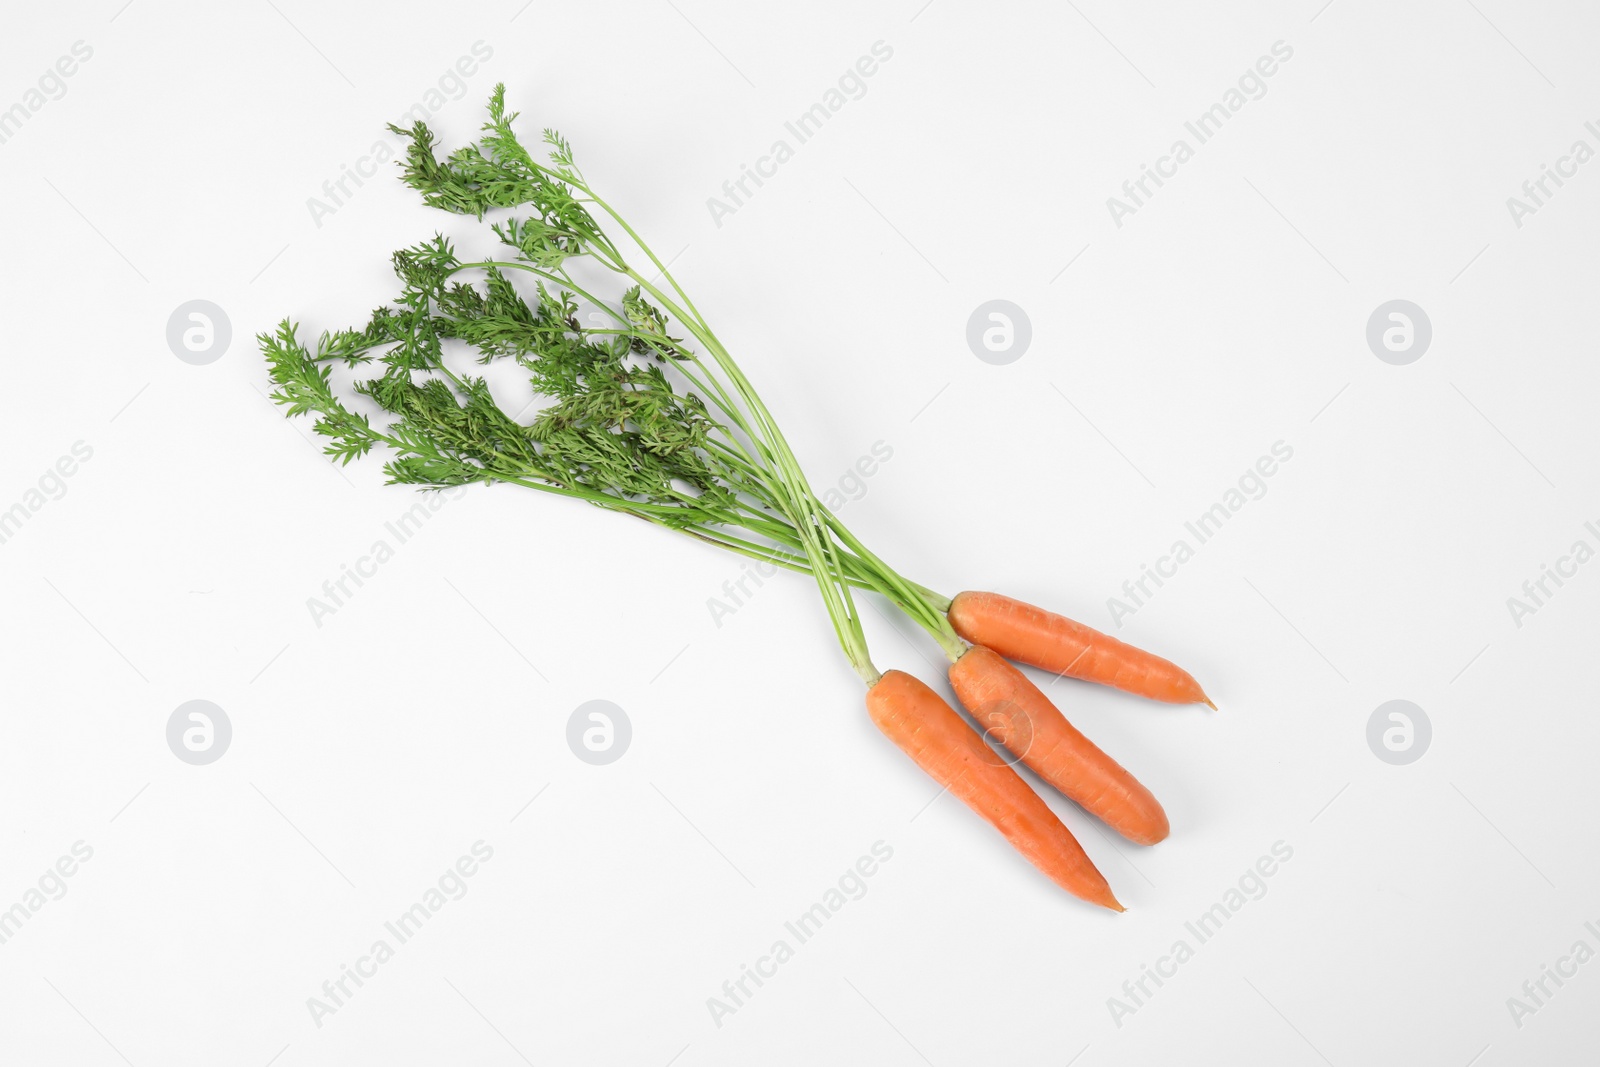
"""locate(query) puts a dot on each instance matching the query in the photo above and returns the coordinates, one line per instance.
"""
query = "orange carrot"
(1055, 643)
(928, 730)
(1005, 702)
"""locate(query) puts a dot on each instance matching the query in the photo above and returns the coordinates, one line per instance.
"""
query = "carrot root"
(1055, 643)
(1005, 702)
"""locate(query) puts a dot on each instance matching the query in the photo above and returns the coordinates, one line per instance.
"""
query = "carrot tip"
(1108, 900)
(1209, 704)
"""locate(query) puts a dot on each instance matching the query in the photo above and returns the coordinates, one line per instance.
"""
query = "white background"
(1227, 314)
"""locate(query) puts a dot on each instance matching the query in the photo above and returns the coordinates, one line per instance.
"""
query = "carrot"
(1005, 702)
(1055, 643)
(928, 730)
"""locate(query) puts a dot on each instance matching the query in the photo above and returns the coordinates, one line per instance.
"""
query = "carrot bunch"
(639, 420)
(1010, 707)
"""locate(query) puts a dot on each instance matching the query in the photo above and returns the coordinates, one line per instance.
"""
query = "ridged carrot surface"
(1056, 643)
(941, 742)
(1006, 703)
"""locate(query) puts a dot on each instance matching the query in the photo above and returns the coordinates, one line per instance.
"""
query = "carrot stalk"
(1057, 644)
(1008, 705)
(928, 730)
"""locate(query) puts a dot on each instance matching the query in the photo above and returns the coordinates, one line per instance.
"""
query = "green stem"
(804, 509)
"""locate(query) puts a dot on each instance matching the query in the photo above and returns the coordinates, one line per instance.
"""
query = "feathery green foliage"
(631, 418)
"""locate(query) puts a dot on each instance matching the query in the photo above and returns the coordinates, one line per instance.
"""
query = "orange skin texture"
(941, 742)
(1006, 703)
(1057, 644)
